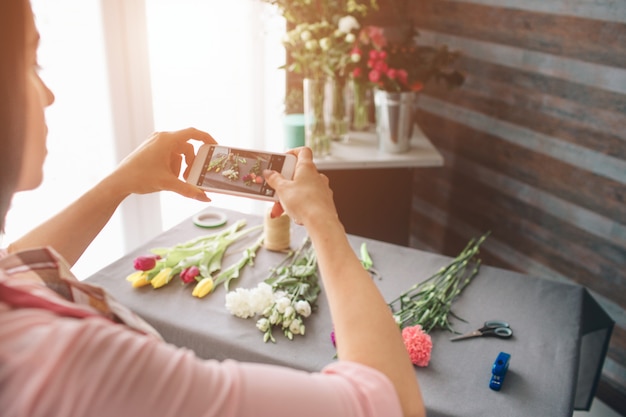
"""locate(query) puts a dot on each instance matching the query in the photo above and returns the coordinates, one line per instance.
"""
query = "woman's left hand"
(156, 164)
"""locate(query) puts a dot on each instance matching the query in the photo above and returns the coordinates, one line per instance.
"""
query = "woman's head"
(23, 98)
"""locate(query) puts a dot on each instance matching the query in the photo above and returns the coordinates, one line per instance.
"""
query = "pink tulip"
(188, 275)
(145, 262)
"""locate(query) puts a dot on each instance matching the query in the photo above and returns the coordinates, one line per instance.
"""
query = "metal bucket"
(394, 120)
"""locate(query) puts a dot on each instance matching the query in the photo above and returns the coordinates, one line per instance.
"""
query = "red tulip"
(188, 275)
(145, 262)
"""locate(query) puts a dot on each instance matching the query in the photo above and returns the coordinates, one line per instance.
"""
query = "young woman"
(67, 349)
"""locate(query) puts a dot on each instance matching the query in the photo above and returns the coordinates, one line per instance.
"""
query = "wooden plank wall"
(534, 146)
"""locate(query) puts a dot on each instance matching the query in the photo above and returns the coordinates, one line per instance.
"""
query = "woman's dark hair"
(13, 70)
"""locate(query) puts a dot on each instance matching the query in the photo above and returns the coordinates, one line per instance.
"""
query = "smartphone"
(239, 172)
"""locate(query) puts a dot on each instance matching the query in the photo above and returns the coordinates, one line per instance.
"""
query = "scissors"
(496, 328)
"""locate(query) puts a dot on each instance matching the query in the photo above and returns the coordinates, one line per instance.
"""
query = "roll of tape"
(210, 219)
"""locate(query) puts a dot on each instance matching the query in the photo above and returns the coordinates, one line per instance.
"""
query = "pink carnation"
(418, 344)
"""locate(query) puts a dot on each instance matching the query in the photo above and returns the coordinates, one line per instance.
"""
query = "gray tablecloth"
(557, 350)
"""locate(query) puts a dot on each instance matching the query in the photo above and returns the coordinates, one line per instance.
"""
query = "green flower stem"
(232, 272)
(429, 302)
(360, 106)
(338, 123)
(297, 274)
(206, 251)
(316, 137)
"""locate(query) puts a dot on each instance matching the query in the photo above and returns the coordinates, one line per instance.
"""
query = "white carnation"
(238, 303)
(261, 298)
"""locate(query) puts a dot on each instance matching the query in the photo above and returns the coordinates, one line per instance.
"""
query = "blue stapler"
(498, 371)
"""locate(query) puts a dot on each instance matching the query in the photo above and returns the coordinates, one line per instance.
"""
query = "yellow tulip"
(203, 287)
(162, 278)
(135, 275)
(138, 279)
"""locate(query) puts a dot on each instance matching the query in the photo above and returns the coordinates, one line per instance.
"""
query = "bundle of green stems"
(428, 303)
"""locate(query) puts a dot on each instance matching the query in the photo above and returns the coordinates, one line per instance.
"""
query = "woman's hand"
(308, 196)
(156, 164)
(364, 327)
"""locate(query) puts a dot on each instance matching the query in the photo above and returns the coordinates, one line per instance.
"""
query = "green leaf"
(232, 271)
(366, 260)
(303, 270)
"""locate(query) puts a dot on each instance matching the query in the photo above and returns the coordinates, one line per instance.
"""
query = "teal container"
(294, 130)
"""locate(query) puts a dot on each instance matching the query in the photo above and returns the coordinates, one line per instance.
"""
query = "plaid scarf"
(77, 299)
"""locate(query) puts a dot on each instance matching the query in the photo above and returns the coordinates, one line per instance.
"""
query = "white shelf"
(361, 151)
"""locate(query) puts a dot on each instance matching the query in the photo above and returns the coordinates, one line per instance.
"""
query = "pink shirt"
(51, 365)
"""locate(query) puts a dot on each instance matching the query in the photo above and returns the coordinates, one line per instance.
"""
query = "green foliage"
(297, 275)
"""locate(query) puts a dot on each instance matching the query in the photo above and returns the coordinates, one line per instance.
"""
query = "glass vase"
(336, 112)
(361, 103)
(315, 135)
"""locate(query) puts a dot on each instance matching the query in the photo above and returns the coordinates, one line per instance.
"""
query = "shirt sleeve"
(75, 367)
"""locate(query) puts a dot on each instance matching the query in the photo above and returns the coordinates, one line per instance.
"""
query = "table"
(372, 189)
(361, 152)
(560, 333)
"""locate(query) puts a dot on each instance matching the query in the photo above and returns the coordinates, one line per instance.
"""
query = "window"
(212, 65)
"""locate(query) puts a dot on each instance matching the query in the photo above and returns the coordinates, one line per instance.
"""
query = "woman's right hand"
(307, 198)
(365, 330)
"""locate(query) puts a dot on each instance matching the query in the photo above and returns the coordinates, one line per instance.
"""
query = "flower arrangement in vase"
(397, 71)
(319, 51)
(402, 65)
(318, 45)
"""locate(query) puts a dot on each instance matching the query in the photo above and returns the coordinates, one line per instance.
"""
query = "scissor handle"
(497, 328)
(503, 332)
(492, 324)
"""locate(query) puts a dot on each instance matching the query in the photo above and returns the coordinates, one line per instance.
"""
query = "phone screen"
(239, 170)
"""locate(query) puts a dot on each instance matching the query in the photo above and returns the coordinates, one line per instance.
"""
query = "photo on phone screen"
(239, 170)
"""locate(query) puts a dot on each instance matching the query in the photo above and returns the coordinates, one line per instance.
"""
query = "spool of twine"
(277, 232)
